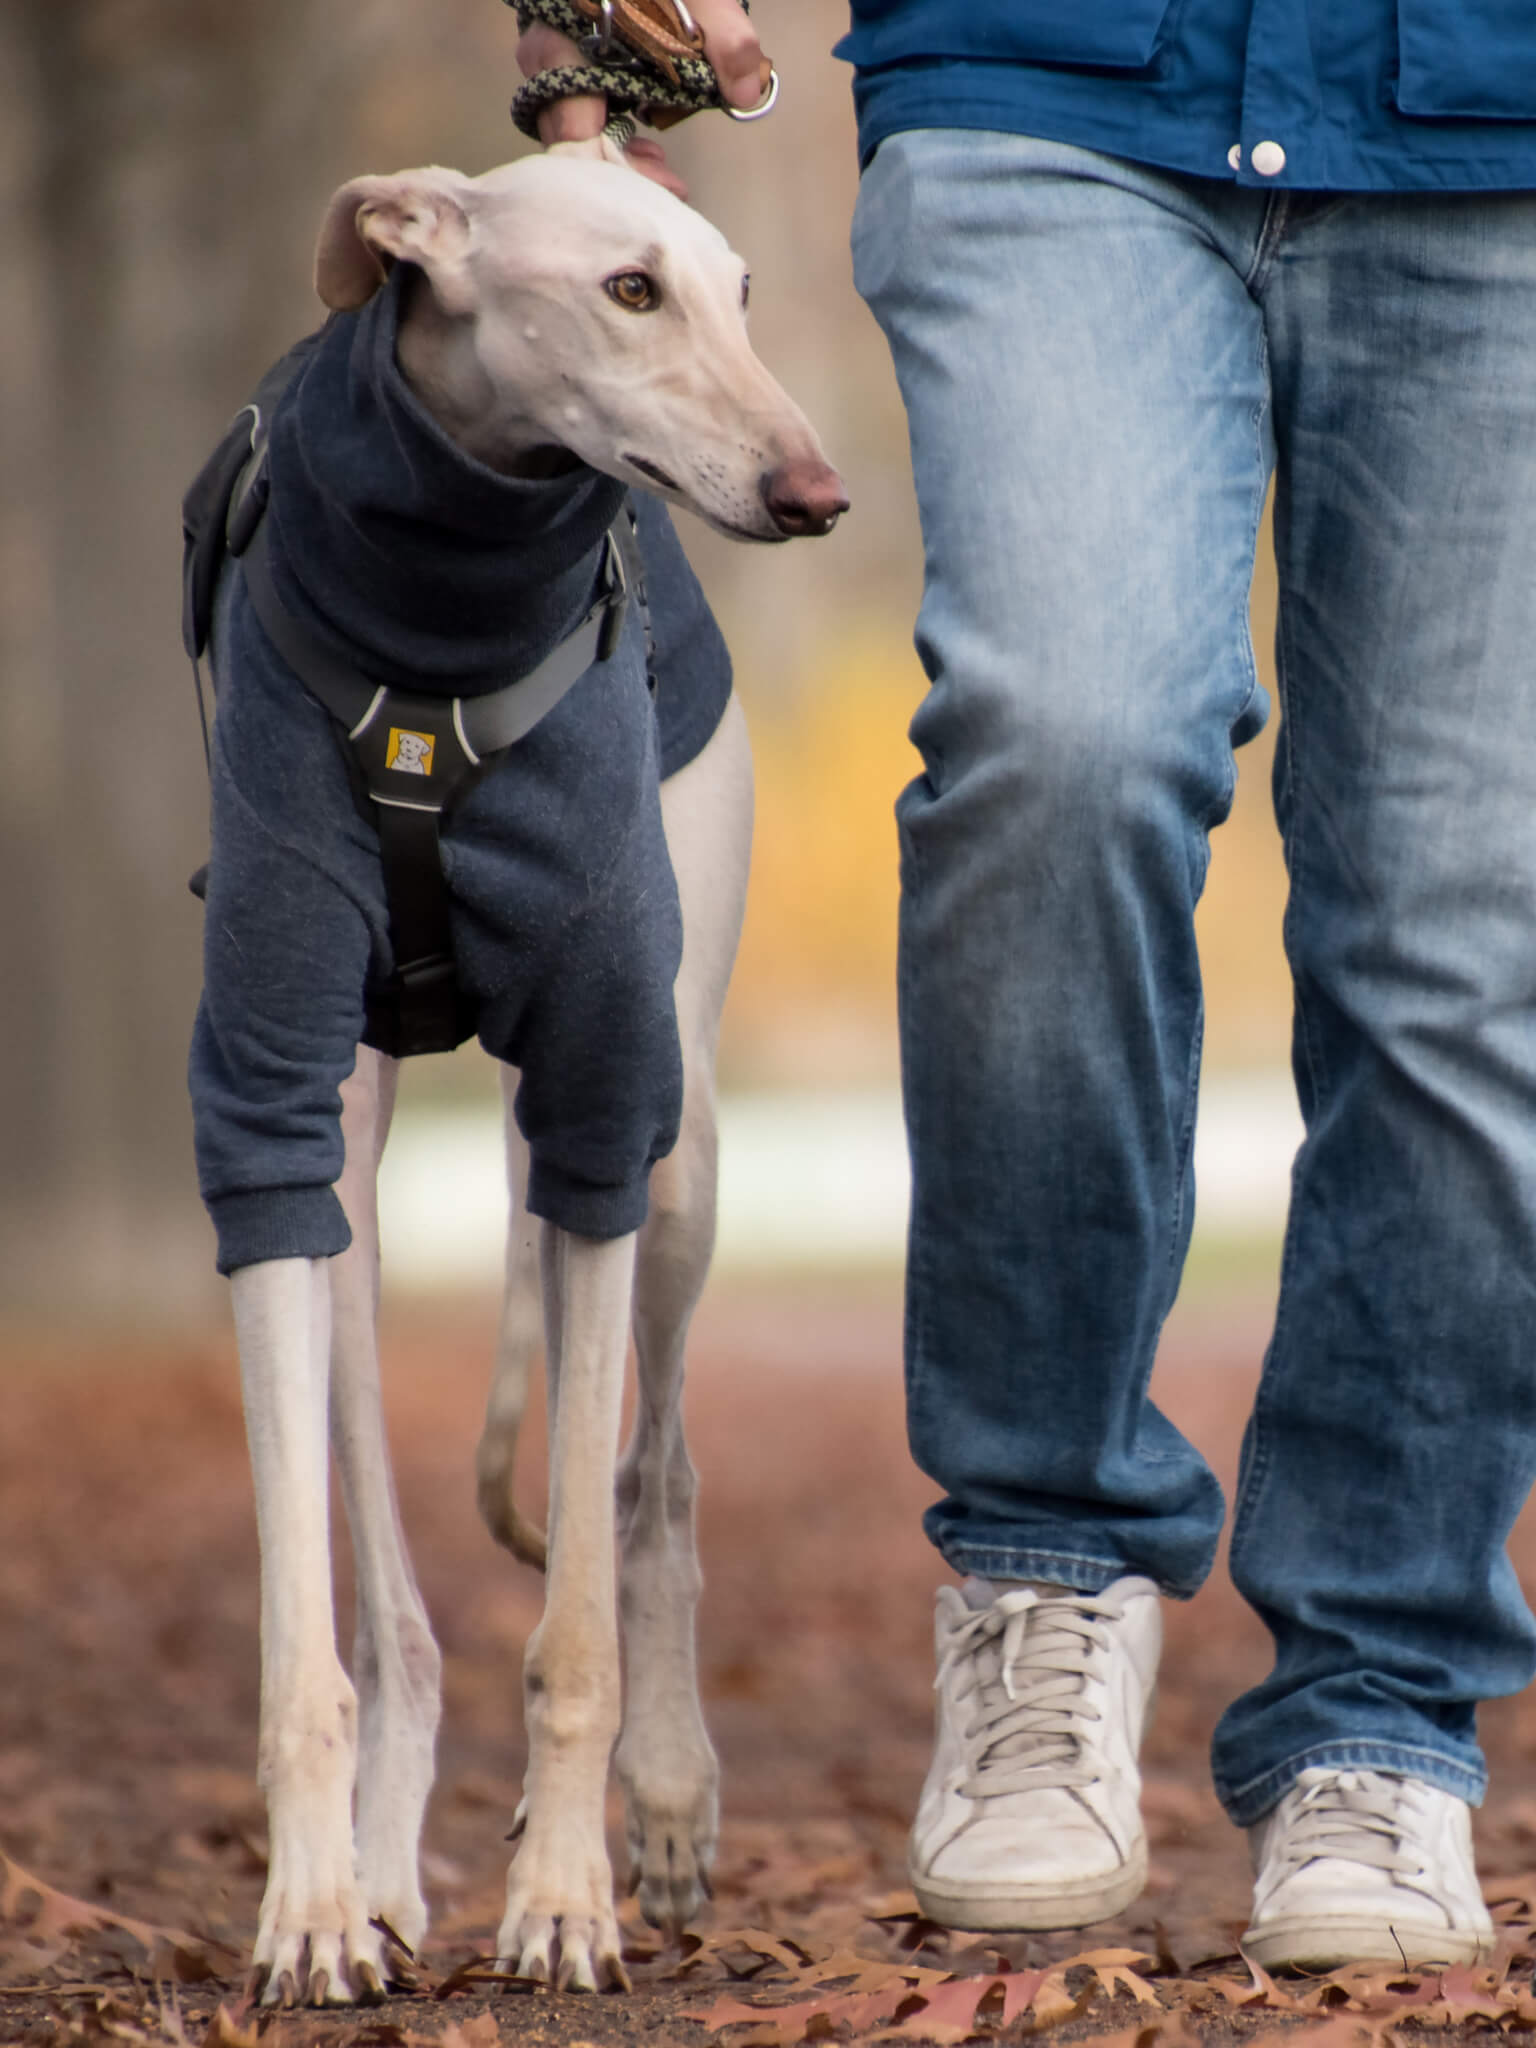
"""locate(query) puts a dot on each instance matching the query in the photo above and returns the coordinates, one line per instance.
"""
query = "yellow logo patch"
(409, 752)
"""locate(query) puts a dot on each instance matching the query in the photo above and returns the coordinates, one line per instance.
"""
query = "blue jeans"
(1102, 365)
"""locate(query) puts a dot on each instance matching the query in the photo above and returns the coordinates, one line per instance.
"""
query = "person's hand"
(730, 44)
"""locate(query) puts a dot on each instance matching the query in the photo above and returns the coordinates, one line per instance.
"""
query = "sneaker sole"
(1330, 1941)
(1032, 1908)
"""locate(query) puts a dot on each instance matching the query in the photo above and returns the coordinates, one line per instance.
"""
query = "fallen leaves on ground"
(864, 1998)
(40, 1926)
(129, 1703)
(853, 1996)
(779, 1988)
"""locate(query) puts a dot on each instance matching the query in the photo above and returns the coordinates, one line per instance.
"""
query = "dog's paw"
(297, 1966)
(672, 1825)
(669, 1873)
(560, 1927)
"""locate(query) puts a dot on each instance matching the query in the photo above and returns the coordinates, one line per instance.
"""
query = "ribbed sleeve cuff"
(280, 1223)
(582, 1208)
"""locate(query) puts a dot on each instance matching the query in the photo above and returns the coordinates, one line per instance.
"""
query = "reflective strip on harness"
(481, 725)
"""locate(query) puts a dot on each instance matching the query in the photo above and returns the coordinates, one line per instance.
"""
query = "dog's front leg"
(313, 1942)
(560, 1886)
(395, 1662)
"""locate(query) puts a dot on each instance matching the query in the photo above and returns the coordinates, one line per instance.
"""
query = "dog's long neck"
(395, 541)
(436, 356)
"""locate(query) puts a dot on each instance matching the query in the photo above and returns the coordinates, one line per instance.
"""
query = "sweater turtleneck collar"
(401, 549)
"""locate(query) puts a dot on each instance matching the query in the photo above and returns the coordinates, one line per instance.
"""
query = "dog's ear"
(413, 217)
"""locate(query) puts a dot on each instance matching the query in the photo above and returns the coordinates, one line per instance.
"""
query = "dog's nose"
(803, 496)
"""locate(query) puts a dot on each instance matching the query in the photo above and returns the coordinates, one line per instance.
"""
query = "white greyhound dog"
(523, 335)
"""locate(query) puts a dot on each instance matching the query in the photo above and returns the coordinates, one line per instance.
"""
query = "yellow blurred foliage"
(814, 995)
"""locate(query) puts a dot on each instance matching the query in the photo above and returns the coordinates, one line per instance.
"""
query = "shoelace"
(1030, 1656)
(1362, 1816)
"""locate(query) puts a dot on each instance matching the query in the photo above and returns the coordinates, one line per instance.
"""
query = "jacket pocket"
(1471, 60)
(1099, 35)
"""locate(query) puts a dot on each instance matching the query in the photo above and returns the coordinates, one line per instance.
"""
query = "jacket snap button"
(1235, 156)
(1268, 159)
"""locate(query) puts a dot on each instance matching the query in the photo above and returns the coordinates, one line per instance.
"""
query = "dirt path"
(128, 1691)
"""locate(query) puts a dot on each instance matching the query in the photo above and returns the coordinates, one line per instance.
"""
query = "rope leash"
(636, 85)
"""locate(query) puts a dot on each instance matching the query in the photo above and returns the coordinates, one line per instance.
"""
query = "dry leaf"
(874, 1973)
(1112, 1967)
(483, 1970)
(1469, 1994)
(779, 2023)
(790, 1955)
(1053, 2002)
(1261, 1990)
(1116, 1977)
(38, 1925)
(225, 2031)
(1370, 1988)
(809, 2018)
(944, 2012)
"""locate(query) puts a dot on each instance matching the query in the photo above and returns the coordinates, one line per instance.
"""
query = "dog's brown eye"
(634, 291)
(746, 290)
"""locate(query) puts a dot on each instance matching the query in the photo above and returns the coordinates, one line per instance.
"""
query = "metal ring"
(690, 26)
(600, 41)
(764, 106)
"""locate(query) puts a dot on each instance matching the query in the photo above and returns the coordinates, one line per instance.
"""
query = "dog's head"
(570, 302)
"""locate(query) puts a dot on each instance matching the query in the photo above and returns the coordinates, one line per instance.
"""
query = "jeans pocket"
(1469, 60)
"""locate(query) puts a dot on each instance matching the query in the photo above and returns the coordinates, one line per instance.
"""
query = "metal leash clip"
(597, 46)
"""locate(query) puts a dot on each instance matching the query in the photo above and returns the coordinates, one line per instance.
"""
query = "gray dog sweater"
(411, 558)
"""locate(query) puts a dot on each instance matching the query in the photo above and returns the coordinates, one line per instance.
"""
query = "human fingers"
(574, 119)
(732, 47)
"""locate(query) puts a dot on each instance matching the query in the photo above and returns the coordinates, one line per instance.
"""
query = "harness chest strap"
(414, 753)
(478, 725)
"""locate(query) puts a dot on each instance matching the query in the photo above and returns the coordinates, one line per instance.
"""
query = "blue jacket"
(1350, 95)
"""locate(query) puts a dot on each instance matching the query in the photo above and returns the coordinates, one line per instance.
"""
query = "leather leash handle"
(645, 56)
(663, 32)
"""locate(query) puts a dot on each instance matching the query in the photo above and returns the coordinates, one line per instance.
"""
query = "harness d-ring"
(756, 113)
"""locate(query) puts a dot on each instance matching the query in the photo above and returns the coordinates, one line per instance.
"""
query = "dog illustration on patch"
(409, 752)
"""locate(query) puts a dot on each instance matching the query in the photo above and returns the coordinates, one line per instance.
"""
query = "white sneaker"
(1031, 1814)
(1365, 1866)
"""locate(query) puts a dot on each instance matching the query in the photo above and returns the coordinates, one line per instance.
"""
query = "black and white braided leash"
(633, 86)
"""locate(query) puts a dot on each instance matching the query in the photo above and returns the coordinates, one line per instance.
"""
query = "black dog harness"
(410, 753)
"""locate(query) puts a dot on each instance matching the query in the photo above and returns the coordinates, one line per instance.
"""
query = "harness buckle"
(418, 1009)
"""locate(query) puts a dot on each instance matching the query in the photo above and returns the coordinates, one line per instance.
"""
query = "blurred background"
(163, 167)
